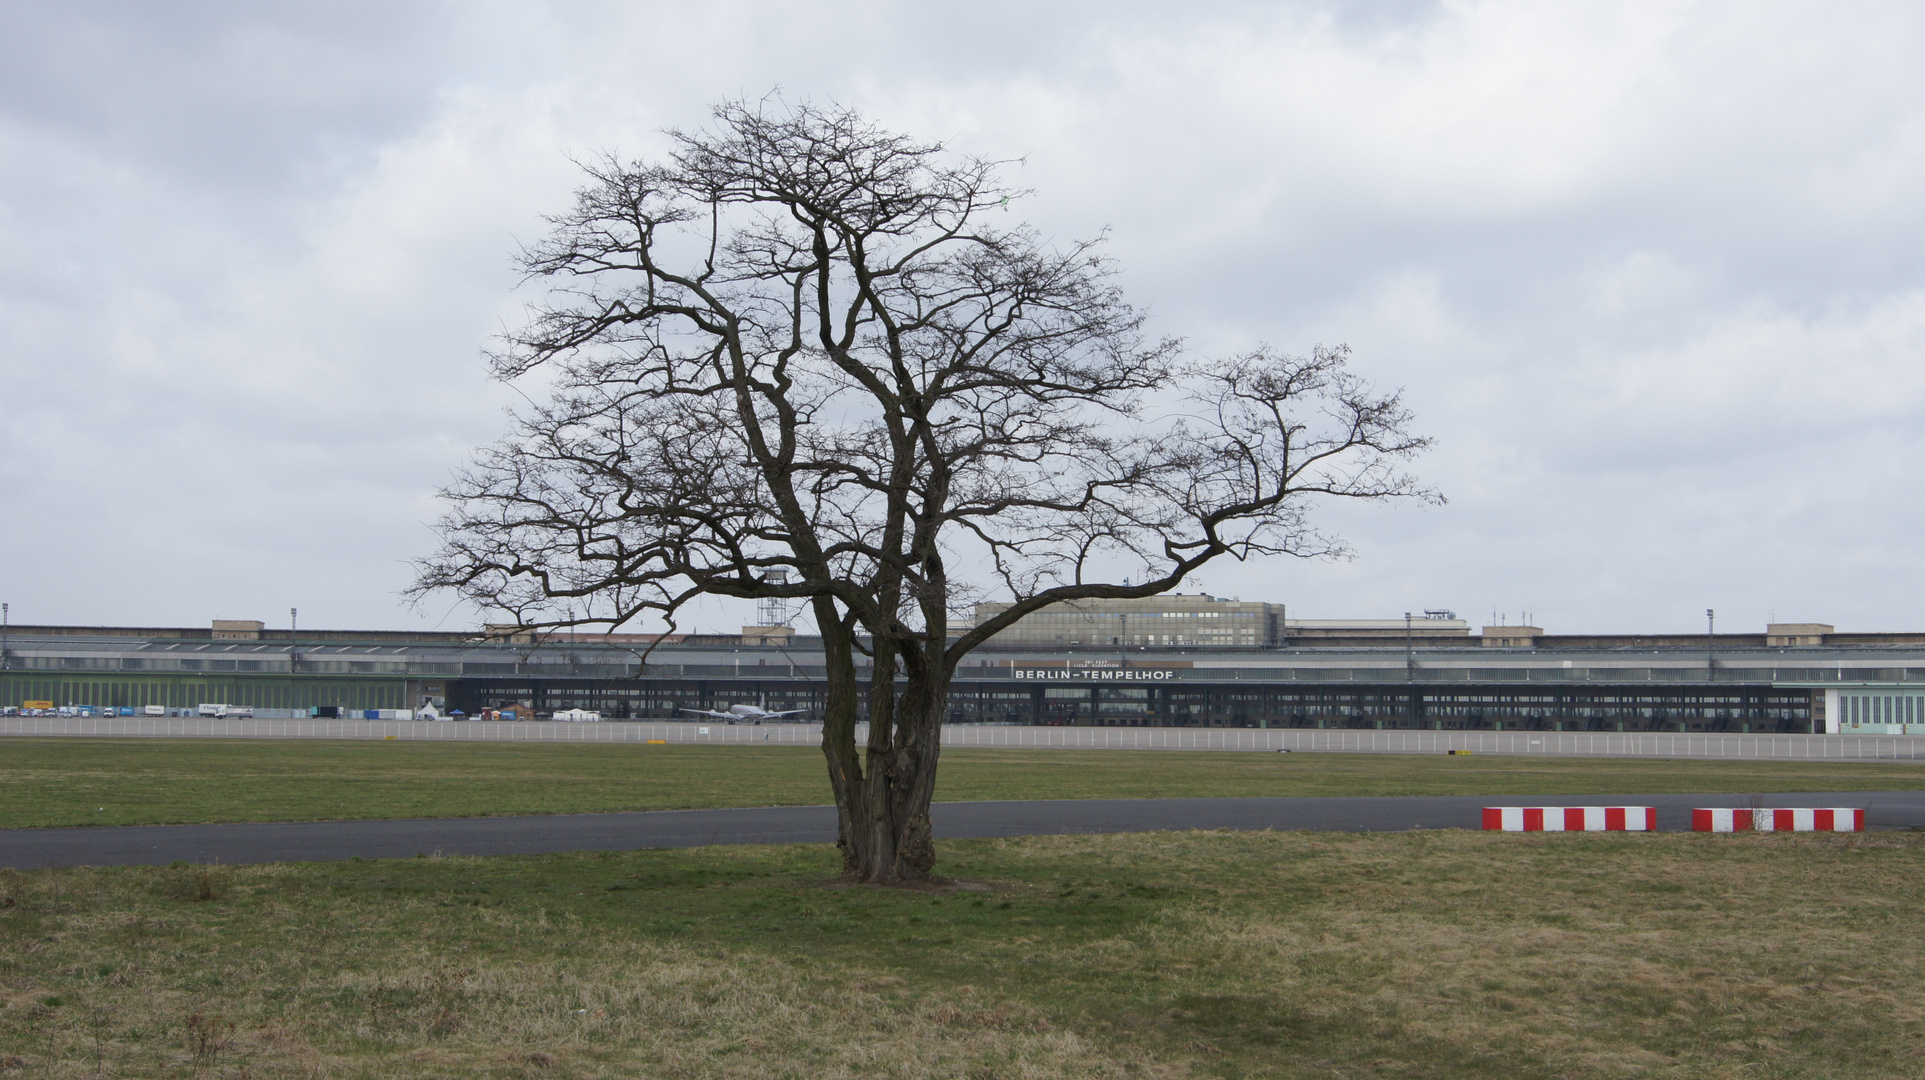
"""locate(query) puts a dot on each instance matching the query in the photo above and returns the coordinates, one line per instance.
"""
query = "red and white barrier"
(1779, 819)
(1571, 818)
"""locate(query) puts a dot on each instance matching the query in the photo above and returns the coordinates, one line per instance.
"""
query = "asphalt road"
(322, 841)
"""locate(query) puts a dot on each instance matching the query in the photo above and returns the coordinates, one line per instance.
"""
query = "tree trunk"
(883, 796)
(886, 836)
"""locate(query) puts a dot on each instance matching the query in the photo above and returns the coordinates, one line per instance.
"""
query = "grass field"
(1439, 955)
(89, 781)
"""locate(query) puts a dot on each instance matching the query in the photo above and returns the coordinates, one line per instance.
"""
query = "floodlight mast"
(774, 611)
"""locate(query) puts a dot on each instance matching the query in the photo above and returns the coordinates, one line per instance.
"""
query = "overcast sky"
(1651, 273)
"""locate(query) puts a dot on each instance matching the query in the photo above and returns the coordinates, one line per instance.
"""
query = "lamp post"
(1410, 652)
(1710, 645)
(6, 637)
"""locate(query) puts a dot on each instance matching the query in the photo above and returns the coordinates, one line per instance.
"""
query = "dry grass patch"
(1461, 953)
(130, 973)
(1442, 954)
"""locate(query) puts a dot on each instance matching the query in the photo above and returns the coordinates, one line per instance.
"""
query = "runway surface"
(336, 840)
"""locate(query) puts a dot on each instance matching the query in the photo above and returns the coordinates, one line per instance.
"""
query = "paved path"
(334, 840)
(1576, 743)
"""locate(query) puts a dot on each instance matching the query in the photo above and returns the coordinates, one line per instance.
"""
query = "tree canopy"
(804, 357)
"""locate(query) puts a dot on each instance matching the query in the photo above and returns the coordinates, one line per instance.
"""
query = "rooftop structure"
(1429, 625)
(1170, 620)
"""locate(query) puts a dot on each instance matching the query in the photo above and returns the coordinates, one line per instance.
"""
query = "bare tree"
(806, 344)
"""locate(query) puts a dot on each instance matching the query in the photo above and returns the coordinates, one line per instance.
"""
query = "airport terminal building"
(1193, 661)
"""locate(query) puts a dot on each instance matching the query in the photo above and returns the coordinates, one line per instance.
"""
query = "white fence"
(1570, 743)
(1602, 744)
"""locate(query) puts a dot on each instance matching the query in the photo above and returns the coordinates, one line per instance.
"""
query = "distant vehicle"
(212, 710)
(154, 710)
(739, 713)
(578, 715)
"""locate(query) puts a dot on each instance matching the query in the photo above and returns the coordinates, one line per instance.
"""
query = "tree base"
(931, 885)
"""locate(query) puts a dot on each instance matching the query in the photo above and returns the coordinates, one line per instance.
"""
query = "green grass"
(1441, 955)
(76, 781)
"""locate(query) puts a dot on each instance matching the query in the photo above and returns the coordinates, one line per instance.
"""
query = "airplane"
(738, 713)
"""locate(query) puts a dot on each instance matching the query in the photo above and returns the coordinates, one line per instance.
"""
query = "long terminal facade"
(1342, 674)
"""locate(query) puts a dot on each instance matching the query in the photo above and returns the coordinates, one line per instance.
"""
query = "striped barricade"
(1571, 818)
(1779, 819)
